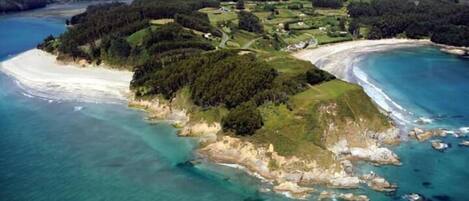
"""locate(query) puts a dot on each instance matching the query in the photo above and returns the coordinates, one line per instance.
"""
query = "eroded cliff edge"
(315, 138)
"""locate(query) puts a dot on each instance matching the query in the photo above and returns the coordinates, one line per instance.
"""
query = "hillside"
(225, 74)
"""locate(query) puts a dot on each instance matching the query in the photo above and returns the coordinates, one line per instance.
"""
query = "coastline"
(41, 75)
(40, 72)
(340, 60)
(336, 58)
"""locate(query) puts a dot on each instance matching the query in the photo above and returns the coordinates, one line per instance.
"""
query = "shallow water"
(430, 85)
(67, 150)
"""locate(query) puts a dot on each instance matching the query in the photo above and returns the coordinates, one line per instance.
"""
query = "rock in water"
(464, 143)
(439, 145)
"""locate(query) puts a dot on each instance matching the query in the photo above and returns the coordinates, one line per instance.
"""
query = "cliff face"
(315, 139)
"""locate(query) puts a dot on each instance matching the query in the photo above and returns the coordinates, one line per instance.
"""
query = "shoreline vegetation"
(219, 71)
(290, 174)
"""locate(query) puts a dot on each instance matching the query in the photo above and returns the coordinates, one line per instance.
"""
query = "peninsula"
(225, 72)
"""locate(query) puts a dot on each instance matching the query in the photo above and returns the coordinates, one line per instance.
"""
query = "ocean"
(69, 150)
(66, 150)
(428, 89)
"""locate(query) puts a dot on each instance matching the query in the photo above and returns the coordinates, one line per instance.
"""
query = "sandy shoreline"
(338, 58)
(42, 75)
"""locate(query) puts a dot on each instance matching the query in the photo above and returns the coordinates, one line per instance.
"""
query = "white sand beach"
(40, 73)
(339, 58)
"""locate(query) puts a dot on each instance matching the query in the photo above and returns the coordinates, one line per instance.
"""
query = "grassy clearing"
(299, 128)
(284, 63)
(216, 16)
(161, 21)
(136, 38)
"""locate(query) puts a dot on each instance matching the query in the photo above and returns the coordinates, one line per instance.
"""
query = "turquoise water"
(52, 150)
(430, 84)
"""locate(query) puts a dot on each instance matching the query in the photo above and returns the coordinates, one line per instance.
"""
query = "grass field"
(298, 128)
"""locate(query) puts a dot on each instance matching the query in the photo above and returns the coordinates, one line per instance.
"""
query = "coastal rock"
(200, 129)
(372, 153)
(293, 190)
(264, 162)
(352, 197)
(424, 136)
(464, 143)
(413, 197)
(158, 109)
(439, 145)
(376, 155)
(324, 195)
(378, 183)
(345, 182)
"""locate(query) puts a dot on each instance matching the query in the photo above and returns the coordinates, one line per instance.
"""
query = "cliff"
(314, 139)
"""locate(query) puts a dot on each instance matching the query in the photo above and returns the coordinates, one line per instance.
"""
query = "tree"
(250, 22)
(240, 5)
(354, 28)
(327, 3)
(119, 48)
(243, 120)
(316, 76)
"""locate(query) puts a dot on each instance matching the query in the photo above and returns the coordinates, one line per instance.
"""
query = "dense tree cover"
(327, 3)
(240, 5)
(250, 22)
(442, 21)
(198, 21)
(48, 45)
(316, 76)
(243, 120)
(21, 5)
(218, 78)
(119, 20)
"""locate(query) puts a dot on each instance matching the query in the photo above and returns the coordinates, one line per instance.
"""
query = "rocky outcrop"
(161, 110)
(289, 172)
(439, 145)
(372, 153)
(464, 143)
(291, 189)
(266, 163)
(378, 183)
(423, 135)
(343, 196)
(199, 128)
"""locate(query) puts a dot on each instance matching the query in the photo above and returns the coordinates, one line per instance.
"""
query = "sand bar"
(42, 75)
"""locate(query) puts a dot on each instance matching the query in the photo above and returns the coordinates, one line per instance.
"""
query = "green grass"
(216, 16)
(242, 37)
(299, 127)
(197, 114)
(161, 21)
(284, 63)
(136, 38)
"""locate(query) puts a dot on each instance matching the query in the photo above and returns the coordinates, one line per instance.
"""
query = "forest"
(444, 22)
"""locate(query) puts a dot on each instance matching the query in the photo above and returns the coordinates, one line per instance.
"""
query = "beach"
(40, 73)
(338, 58)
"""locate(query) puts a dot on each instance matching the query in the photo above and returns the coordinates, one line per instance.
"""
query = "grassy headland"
(226, 63)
